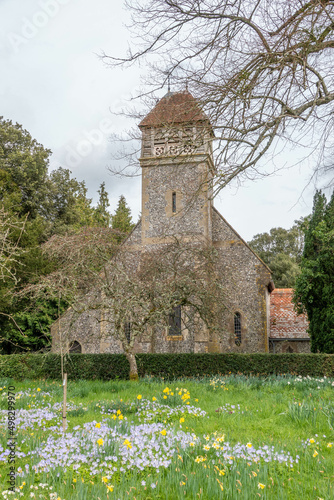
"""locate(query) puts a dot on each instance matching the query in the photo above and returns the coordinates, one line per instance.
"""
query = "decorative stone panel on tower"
(177, 175)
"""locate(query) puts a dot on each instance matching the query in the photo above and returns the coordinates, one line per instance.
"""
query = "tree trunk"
(133, 366)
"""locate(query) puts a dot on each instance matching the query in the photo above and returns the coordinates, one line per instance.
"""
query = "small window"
(174, 203)
(127, 331)
(237, 329)
(175, 322)
(75, 347)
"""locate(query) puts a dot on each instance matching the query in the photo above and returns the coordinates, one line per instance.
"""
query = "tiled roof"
(175, 107)
(284, 322)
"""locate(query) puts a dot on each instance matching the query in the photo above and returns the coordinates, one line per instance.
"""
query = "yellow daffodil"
(261, 486)
(315, 454)
(154, 399)
(329, 445)
(120, 417)
(110, 488)
(139, 396)
(100, 442)
(163, 432)
(312, 441)
(105, 479)
(181, 420)
(98, 425)
(38, 389)
(249, 445)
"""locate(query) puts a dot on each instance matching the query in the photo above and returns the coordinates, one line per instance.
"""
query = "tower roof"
(175, 107)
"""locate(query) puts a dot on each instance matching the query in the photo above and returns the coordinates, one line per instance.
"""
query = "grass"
(231, 437)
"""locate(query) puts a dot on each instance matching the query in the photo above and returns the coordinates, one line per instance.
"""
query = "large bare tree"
(263, 69)
(139, 289)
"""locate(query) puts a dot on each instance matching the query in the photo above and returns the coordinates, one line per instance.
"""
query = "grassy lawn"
(224, 437)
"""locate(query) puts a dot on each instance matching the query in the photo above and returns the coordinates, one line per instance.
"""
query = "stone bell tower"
(177, 170)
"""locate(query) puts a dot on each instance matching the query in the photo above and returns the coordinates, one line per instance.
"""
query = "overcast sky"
(55, 85)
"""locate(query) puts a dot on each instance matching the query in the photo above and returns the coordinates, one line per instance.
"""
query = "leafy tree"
(263, 70)
(281, 249)
(23, 169)
(69, 205)
(314, 291)
(102, 215)
(121, 220)
(44, 204)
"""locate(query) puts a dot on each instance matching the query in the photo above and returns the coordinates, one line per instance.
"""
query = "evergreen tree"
(121, 220)
(314, 293)
(102, 215)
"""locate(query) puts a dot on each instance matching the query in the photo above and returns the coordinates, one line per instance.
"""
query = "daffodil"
(100, 442)
(139, 396)
(261, 486)
(98, 425)
(163, 432)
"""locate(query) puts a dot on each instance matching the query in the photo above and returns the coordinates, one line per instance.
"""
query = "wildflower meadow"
(229, 437)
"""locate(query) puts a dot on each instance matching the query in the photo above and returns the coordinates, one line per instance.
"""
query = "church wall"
(286, 347)
(83, 327)
(246, 284)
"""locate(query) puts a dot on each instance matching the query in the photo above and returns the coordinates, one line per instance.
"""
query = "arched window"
(237, 328)
(175, 322)
(75, 347)
(127, 331)
(174, 202)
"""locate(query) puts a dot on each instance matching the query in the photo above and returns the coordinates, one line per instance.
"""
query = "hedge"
(169, 366)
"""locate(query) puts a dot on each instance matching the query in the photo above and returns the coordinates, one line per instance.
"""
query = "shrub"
(169, 366)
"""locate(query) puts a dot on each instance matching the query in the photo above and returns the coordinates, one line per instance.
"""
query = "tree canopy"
(281, 249)
(263, 70)
(314, 291)
(34, 206)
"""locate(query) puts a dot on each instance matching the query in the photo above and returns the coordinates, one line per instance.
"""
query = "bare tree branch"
(263, 70)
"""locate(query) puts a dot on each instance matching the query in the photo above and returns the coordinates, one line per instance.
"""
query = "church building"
(177, 173)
